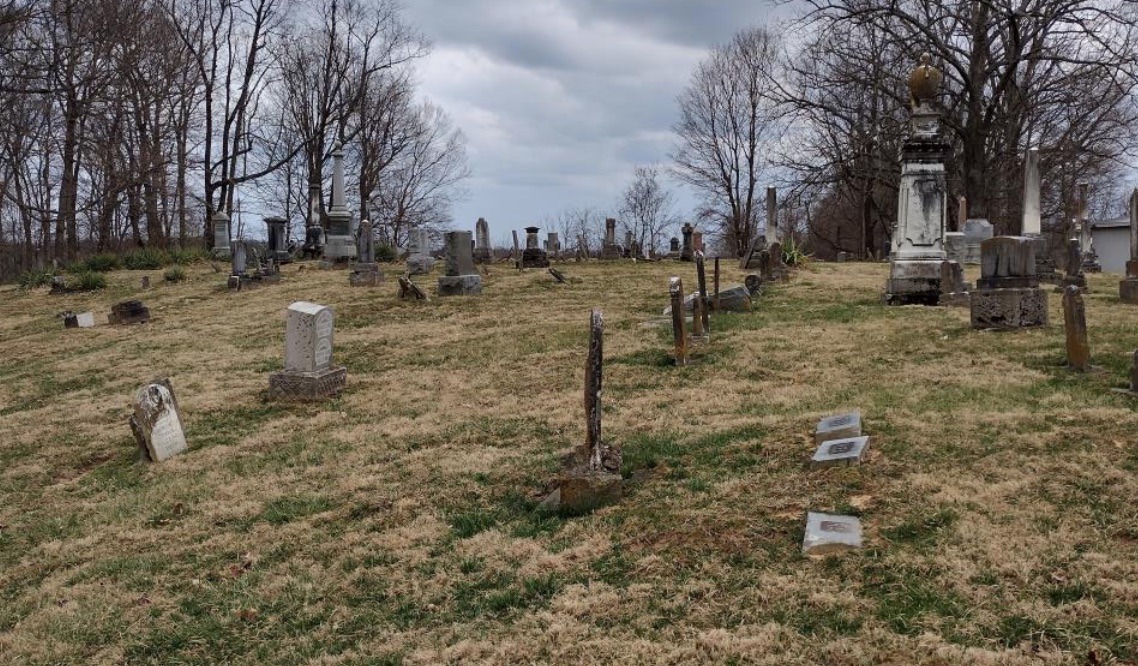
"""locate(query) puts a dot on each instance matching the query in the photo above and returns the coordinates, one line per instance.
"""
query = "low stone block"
(838, 426)
(129, 312)
(366, 275)
(80, 320)
(307, 386)
(584, 491)
(534, 258)
(1009, 308)
(156, 423)
(1128, 290)
(460, 285)
(828, 534)
(840, 452)
(732, 298)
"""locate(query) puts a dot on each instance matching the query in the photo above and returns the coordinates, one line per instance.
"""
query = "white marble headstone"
(156, 422)
(308, 337)
(839, 426)
(848, 451)
(827, 534)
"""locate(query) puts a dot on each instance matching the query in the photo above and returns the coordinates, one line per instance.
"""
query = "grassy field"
(397, 524)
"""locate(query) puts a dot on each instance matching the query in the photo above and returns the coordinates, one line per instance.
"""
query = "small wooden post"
(1075, 324)
(701, 274)
(679, 331)
(594, 382)
(717, 302)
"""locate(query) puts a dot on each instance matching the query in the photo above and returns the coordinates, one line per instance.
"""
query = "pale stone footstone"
(838, 426)
(156, 423)
(839, 452)
(309, 373)
(828, 534)
(461, 278)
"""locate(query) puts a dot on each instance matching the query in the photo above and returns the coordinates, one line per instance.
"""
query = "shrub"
(87, 281)
(99, 263)
(189, 256)
(385, 253)
(146, 259)
(37, 277)
(175, 274)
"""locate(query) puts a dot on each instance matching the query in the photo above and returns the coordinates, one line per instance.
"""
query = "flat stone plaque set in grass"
(839, 443)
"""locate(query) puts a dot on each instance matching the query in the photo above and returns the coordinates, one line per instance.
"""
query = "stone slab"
(828, 534)
(840, 452)
(307, 386)
(460, 285)
(1008, 308)
(838, 426)
(156, 422)
(1128, 291)
(583, 491)
(365, 277)
(80, 320)
(308, 337)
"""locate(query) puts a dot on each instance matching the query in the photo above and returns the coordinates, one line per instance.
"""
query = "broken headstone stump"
(408, 290)
(828, 534)
(1075, 326)
(838, 426)
(309, 374)
(838, 452)
(129, 312)
(156, 423)
(79, 320)
(953, 289)
(558, 276)
(1007, 295)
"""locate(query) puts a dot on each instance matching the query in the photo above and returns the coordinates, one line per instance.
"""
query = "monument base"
(535, 259)
(1128, 290)
(460, 285)
(307, 386)
(366, 275)
(913, 282)
(339, 249)
(582, 491)
(1009, 308)
(611, 253)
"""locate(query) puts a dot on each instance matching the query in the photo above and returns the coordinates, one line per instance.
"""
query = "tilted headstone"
(156, 423)
(828, 534)
(838, 426)
(837, 452)
(309, 373)
(461, 279)
(1007, 295)
(1075, 326)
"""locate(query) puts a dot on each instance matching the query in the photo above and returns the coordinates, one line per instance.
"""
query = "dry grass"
(397, 524)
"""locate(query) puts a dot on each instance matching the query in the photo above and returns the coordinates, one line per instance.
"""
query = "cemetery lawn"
(397, 524)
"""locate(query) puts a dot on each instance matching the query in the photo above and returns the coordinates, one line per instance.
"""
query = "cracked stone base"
(913, 282)
(460, 285)
(366, 276)
(1009, 308)
(307, 386)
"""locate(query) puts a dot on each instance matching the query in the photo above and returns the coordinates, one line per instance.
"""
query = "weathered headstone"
(365, 272)
(674, 247)
(975, 233)
(410, 291)
(277, 230)
(220, 224)
(628, 254)
(955, 246)
(1007, 295)
(753, 259)
(679, 331)
(339, 246)
(828, 534)
(308, 373)
(697, 241)
(461, 279)
(772, 216)
(953, 289)
(918, 240)
(1074, 276)
(838, 452)
(79, 320)
(838, 426)
(483, 253)
(314, 225)
(129, 312)
(1075, 326)
(558, 275)
(1086, 238)
(553, 244)
(1128, 287)
(753, 283)
(688, 250)
(419, 260)
(610, 250)
(517, 256)
(156, 422)
(534, 256)
(145, 283)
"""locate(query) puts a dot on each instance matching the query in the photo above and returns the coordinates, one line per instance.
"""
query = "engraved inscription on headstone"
(848, 451)
(839, 448)
(308, 337)
(827, 534)
(839, 426)
(836, 527)
(156, 424)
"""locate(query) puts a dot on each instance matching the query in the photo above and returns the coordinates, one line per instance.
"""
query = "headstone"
(409, 291)
(838, 426)
(918, 240)
(553, 244)
(697, 241)
(1087, 239)
(340, 245)
(156, 422)
(1075, 326)
(955, 247)
(838, 452)
(1128, 287)
(461, 279)
(609, 249)
(277, 230)
(679, 332)
(688, 250)
(366, 272)
(1074, 276)
(732, 298)
(954, 290)
(827, 534)
(674, 247)
(517, 251)
(483, 253)
(752, 259)
(129, 312)
(701, 282)
(975, 233)
(772, 216)
(308, 373)
(145, 282)
(534, 256)
(1032, 222)
(628, 254)
(558, 276)
(753, 284)
(1007, 295)
(314, 225)
(220, 223)
(80, 320)
(419, 260)
(961, 212)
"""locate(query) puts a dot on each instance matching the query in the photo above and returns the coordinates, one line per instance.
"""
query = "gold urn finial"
(924, 82)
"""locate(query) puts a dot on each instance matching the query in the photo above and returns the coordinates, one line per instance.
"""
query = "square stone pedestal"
(307, 386)
(339, 249)
(460, 285)
(1009, 308)
(366, 275)
(913, 282)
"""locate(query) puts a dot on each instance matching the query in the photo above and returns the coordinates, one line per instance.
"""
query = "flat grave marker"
(828, 534)
(838, 452)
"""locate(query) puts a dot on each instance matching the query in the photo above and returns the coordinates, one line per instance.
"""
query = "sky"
(561, 99)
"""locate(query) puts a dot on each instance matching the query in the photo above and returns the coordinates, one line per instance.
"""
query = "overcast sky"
(561, 99)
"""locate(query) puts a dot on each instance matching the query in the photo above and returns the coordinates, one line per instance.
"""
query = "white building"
(1112, 243)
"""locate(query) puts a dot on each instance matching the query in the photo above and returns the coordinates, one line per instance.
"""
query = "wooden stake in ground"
(1075, 325)
(557, 275)
(717, 303)
(602, 458)
(679, 333)
(701, 274)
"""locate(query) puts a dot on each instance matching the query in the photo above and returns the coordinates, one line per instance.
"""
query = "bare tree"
(647, 209)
